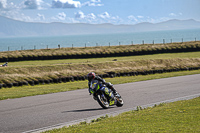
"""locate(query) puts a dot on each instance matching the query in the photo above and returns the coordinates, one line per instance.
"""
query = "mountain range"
(14, 28)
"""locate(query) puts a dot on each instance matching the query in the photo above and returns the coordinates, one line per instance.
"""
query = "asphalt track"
(38, 113)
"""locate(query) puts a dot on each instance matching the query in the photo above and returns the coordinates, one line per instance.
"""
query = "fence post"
(21, 47)
(142, 41)
(47, 46)
(8, 48)
(195, 39)
(171, 40)
(109, 44)
(34, 47)
(85, 45)
(182, 40)
(132, 42)
(119, 43)
(163, 41)
(72, 45)
(153, 41)
(59, 46)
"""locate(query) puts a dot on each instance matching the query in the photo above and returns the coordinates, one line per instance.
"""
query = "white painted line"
(60, 125)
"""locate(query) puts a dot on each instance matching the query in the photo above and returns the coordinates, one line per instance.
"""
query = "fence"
(97, 44)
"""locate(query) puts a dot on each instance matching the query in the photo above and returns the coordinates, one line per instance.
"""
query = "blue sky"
(100, 11)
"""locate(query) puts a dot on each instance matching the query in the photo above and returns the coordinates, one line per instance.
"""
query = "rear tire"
(103, 102)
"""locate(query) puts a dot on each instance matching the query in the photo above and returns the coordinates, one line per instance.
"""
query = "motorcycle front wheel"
(120, 101)
(103, 101)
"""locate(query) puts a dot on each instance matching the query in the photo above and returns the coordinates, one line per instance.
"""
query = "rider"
(91, 76)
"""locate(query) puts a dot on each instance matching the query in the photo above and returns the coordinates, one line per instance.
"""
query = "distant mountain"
(14, 28)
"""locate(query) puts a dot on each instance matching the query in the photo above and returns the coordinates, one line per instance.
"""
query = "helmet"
(91, 76)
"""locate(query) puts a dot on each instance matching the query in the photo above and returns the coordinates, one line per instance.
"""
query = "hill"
(14, 28)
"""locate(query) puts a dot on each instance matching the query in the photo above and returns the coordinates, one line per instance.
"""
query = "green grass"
(24, 91)
(180, 116)
(17, 92)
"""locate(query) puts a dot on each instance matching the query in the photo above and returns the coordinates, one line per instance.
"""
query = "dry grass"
(12, 74)
(98, 50)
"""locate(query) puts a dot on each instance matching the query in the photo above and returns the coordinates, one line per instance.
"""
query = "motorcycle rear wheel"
(103, 102)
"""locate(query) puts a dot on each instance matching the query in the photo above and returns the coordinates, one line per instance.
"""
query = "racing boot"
(114, 91)
(111, 101)
(110, 86)
(111, 98)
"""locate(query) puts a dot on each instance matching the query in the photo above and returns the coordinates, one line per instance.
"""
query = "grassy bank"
(181, 116)
(106, 59)
(55, 69)
(17, 92)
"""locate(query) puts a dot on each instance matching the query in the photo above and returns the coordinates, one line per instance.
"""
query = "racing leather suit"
(109, 85)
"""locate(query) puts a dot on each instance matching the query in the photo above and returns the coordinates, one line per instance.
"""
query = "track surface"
(29, 113)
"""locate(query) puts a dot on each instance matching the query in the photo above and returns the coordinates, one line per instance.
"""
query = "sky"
(100, 11)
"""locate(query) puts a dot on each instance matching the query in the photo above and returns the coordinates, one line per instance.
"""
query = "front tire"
(120, 101)
(103, 102)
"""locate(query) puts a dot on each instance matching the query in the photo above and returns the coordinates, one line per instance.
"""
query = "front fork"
(107, 95)
(95, 95)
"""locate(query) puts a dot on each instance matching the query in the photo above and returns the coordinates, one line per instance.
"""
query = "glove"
(109, 85)
(91, 91)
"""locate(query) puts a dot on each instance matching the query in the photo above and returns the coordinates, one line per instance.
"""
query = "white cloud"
(91, 16)
(3, 4)
(139, 19)
(33, 4)
(13, 6)
(108, 18)
(175, 15)
(151, 20)
(104, 15)
(92, 3)
(61, 16)
(66, 4)
(41, 16)
(140, 16)
(16, 15)
(79, 15)
(132, 18)
(172, 14)
(95, 0)
(86, 18)
(25, 4)
(162, 19)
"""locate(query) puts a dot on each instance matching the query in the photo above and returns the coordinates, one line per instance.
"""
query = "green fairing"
(98, 87)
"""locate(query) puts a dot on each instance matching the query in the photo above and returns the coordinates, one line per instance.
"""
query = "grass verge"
(17, 92)
(49, 70)
(180, 116)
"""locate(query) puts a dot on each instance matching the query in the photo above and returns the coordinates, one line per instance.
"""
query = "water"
(25, 43)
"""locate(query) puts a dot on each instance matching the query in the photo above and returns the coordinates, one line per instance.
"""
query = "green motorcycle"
(105, 96)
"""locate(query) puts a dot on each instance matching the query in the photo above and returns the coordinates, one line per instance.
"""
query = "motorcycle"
(101, 93)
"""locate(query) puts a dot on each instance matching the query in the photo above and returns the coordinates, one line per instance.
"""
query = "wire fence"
(72, 44)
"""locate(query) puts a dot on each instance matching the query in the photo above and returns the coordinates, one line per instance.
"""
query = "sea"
(47, 42)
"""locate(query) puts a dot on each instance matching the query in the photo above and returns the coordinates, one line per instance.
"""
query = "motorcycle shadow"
(85, 110)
